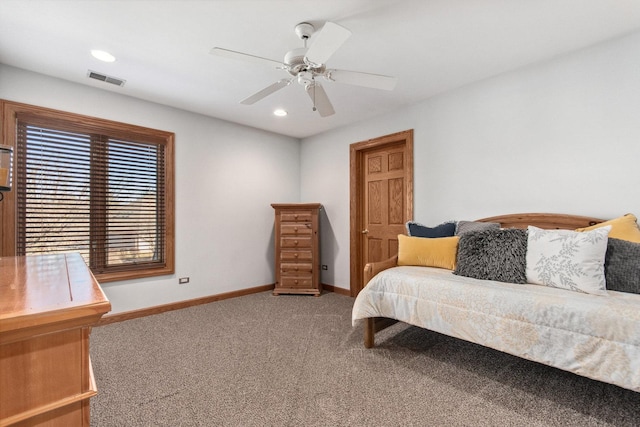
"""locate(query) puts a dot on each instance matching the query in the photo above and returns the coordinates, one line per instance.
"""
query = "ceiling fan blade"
(266, 92)
(320, 100)
(326, 43)
(226, 53)
(375, 81)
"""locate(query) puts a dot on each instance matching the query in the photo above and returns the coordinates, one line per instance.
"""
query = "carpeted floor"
(291, 360)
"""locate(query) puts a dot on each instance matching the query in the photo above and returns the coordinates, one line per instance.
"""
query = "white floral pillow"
(568, 259)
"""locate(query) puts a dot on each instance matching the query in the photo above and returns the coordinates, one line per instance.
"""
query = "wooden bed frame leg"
(370, 332)
(373, 325)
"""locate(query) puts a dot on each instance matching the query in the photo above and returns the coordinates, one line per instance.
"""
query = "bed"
(591, 335)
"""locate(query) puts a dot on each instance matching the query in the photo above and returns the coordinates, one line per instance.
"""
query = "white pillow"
(568, 259)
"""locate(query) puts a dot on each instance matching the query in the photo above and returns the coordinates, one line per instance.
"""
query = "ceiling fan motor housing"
(294, 59)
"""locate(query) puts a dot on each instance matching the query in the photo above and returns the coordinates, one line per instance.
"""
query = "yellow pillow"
(428, 252)
(623, 228)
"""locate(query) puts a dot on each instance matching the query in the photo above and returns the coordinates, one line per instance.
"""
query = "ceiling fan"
(306, 65)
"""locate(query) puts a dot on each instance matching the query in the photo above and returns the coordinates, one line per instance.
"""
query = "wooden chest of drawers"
(297, 249)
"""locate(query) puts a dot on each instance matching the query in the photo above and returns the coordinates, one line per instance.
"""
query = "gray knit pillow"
(493, 255)
(472, 226)
(622, 266)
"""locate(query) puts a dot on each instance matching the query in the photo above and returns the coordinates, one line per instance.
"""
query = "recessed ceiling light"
(103, 56)
(280, 113)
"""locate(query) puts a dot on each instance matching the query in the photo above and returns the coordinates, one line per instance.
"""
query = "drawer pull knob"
(295, 242)
(295, 281)
(295, 255)
(295, 228)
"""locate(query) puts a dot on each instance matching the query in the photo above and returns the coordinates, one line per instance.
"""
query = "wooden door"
(381, 199)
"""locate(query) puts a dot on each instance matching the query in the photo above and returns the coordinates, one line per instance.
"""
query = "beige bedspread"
(594, 336)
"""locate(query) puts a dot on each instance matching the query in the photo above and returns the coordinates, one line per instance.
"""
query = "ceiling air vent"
(104, 78)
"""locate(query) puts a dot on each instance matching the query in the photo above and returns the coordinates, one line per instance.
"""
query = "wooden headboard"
(543, 220)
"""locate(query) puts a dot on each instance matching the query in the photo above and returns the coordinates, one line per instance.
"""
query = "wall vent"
(104, 78)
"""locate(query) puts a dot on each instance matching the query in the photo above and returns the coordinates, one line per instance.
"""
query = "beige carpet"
(261, 360)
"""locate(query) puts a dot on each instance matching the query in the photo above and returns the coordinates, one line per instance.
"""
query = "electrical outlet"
(183, 280)
(324, 267)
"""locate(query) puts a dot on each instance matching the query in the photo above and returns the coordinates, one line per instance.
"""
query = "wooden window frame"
(11, 111)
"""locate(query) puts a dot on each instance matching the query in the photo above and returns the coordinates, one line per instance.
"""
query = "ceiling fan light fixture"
(102, 55)
(280, 112)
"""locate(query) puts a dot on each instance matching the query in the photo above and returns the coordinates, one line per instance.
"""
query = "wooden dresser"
(47, 306)
(297, 249)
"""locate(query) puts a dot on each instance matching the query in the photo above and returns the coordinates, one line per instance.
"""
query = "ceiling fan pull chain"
(314, 93)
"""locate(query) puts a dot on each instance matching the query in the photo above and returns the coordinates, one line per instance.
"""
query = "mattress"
(590, 335)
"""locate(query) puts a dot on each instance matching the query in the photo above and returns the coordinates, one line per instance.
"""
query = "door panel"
(393, 246)
(396, 201)
(396, 161)
(385, 194)
(381, 175)
(374, 247)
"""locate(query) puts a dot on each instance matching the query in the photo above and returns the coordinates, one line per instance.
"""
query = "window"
(87, 185)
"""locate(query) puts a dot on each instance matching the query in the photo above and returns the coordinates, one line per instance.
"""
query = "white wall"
(562, 136)
(226, 177)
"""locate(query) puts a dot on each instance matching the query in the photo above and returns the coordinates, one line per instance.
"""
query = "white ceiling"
(432, 46)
